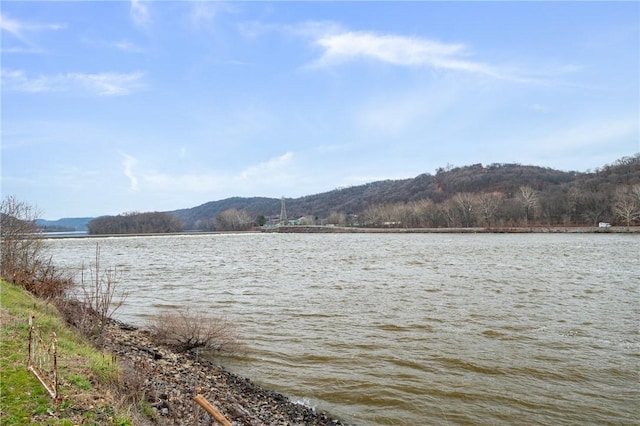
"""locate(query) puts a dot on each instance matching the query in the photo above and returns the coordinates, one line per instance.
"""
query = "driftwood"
(213, 411)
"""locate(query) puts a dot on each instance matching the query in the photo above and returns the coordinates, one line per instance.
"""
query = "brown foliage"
(552, 203)
(184, 330)
(23, 261)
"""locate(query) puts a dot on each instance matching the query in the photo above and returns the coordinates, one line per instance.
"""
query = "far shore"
(478, 230)
(317, 229)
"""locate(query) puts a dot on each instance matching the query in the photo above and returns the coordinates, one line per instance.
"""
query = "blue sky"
(110, 107)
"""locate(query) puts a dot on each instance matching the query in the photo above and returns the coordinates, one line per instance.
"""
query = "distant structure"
(283, 213)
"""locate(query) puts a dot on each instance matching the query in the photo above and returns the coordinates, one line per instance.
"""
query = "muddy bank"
(169, 381)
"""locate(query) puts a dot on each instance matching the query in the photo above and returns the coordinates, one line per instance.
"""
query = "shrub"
(99, 291)
(22, 252)
(184, 330)
(98, 298)
(47, 281)
(22, 246)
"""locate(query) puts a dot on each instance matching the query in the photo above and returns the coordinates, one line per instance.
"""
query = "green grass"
(84, 372)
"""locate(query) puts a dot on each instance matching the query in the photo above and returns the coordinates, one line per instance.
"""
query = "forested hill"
(504, 179)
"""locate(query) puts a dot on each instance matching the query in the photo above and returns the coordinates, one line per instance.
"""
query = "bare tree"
(428, 213)
(22, 245)
(24, 260)
(488, 205)
(337, 218)
(234, 220)
(136, 223)
(591, 205)
(448, 213)
(371, 216)
(555, 207)
(529, 200)
(466, 208)
(99, 297)
(627, 203)
(635, 192)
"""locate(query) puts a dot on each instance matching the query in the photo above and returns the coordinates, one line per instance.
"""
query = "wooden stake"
(202, 401)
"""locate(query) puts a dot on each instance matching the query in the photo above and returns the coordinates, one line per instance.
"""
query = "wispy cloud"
(128, 163)
(307, 30)
(122, 45)
(400, 51)
(203, 13)
(102, 84)
(140, 14)
(22, 30)
(126, 46)
(339, 45)
(108, 84)
(386, 48)
(272, 171)
(266, 170)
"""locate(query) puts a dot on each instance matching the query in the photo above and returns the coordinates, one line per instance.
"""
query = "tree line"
(525, 208)
(496, 195)
(136, 223)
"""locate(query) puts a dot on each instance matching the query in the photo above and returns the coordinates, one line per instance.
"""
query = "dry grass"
(183, 330)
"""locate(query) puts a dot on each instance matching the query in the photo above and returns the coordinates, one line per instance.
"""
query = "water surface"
(409, 329)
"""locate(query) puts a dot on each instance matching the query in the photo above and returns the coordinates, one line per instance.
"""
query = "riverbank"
(318, 229)
(171, 380)
(129, 380)
(477, 230)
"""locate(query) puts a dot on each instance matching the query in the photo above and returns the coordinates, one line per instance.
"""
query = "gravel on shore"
(169, 381)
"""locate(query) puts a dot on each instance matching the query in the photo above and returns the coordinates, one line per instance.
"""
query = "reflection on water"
(388, 329)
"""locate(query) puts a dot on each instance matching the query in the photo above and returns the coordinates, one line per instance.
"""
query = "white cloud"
(386, 48)
(398, 50)
(128, 163)
(203, 13)
(18, 81)
(271, 172)
(307, 30)
(108, 84)
(21, 30)
(13, 27)
(103, 84)
(140, 13)
(122, 45)
(127, 46)
(340, 45)
(267, 169)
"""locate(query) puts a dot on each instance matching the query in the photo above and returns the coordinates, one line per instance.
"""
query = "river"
(408, 329)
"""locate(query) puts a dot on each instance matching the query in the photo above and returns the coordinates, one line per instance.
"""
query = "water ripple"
(384, 329)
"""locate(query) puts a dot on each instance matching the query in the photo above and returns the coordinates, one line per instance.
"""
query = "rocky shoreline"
(169, 381)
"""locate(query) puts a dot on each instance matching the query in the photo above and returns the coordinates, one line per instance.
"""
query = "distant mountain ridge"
(504, 178)
(65, 224)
